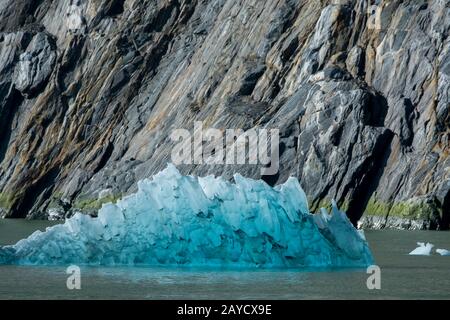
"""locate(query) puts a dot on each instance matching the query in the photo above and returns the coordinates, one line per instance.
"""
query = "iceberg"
(422, 249)
(443, 252)
(184, 220)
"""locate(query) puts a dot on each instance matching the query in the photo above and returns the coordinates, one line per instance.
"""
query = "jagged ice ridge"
(183, 220)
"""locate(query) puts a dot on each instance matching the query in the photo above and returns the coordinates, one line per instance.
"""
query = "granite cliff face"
(90, 91)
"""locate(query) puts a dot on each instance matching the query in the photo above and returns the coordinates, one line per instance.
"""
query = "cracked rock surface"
(90, 91)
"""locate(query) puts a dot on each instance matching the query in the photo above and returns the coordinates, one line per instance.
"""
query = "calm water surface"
(402, 276)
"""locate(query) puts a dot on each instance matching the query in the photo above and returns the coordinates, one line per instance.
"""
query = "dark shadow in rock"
(115, 8)
(105, 157)
(446, 212)
(251, 79)
(272, 180)
(376, 111)
(7, 114)
(406, 130)
(371, 178)
(22, 205)
(158, 23)
(21, 13)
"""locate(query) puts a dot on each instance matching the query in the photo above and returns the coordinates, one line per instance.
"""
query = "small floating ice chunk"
(422, 249)
(443, 252)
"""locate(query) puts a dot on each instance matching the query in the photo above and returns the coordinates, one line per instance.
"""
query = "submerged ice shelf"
(183, 220)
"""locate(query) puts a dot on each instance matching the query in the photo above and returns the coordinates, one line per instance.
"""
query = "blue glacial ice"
(184, 220)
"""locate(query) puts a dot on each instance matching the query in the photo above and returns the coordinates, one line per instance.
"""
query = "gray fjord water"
(402, 276)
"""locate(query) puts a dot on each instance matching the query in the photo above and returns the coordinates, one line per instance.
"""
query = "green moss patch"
(6, 200)
(413, 209)
(95, 204)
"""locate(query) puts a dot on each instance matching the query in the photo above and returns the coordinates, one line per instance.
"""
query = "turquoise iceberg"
(183, 220)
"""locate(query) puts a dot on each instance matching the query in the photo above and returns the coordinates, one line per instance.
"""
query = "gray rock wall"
(90, 92)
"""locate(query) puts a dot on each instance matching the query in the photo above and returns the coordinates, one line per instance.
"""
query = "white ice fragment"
(422, 249)
(443, 252)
